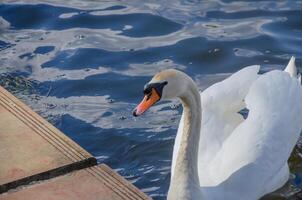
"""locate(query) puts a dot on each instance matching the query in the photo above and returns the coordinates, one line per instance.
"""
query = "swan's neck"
(185, 182)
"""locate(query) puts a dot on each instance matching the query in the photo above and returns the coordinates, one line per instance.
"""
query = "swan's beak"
(146, 103)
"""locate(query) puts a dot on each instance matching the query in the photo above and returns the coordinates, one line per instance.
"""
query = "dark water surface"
(82, 65)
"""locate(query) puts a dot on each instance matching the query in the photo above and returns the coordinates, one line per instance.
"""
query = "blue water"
(82, 65)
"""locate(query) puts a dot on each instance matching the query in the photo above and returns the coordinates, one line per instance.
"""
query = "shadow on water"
(83, 64)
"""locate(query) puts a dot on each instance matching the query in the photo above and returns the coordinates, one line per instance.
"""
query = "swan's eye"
(147, 90)
(157, 86)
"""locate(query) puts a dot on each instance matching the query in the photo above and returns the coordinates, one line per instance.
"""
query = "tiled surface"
(94, 183)
(29, 145)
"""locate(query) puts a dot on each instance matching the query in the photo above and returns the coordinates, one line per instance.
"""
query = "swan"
(217, 153)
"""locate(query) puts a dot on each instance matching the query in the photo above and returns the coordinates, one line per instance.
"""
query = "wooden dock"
(40, 162)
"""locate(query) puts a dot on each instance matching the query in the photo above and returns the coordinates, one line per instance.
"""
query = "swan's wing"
(253, 160)
(228, 95)
(220, 106)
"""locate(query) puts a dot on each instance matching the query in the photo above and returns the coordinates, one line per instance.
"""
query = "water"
(82, 65)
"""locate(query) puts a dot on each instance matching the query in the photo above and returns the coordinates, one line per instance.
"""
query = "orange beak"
(146, 103)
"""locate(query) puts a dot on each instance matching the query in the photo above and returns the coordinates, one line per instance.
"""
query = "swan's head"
(164, 85)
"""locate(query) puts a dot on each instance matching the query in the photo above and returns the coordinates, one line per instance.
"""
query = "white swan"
(218, 154)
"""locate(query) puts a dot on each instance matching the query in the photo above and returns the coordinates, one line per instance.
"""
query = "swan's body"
(219, 155)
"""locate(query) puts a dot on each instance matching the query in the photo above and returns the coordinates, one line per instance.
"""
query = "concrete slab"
(94, 183)
(32, 149)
